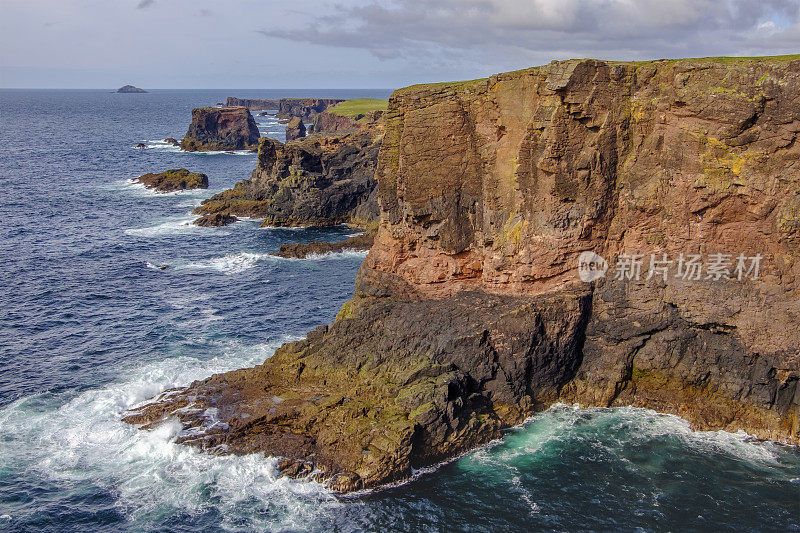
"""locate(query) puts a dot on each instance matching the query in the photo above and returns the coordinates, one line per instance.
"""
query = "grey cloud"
(145, 4)
(478, 29)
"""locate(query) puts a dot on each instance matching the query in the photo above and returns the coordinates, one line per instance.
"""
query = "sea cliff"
(469, 313)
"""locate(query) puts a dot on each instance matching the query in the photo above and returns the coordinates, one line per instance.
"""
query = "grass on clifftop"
(359, 106)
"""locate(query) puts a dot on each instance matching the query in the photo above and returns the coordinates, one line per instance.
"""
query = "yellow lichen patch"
(722, 168)
(788, 217)
(511, 233)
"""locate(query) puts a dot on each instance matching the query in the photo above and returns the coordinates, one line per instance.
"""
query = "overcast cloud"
(362, 43)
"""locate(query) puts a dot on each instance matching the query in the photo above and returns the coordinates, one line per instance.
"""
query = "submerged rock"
(221, 128)
(177, 179)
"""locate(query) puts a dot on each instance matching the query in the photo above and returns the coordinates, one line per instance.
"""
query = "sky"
(280, 44)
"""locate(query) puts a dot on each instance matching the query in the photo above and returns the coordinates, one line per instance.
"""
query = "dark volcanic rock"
(252, 103)
(361, 242)
(287, 107)
(173, 142)
(469, 315)
(177, 179)
(221, 128)
(141, 145)
(130, 89)
(295, 129)
(215, 220)
(304, 107)
(319, 182)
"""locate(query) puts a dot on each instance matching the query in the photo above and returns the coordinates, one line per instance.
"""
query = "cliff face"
(221, 128)
(287, 107)
(469, 314)
(687, 157)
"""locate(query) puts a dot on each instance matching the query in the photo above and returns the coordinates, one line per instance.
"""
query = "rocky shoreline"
(469, 314)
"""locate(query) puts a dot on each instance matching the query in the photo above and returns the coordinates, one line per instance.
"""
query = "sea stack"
(295, 129)
(221, 128)
(594, 232)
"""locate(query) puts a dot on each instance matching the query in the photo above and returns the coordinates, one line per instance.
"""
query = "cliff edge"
(671, 186)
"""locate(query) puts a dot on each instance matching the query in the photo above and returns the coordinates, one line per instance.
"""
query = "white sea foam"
(172, 226)
(83, 441)
(161, 146)
(227, 264)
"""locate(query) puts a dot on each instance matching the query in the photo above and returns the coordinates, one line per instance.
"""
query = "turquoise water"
(91, 327)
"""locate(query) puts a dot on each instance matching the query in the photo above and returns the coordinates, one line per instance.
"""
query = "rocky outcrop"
(295, 129)
(252, 103)
(328, 123)
(305, 108)
(130, 89)
(359, 243)
(310, 182)
(469, 313)
(221, 128)
(177, 179)
(214, 220)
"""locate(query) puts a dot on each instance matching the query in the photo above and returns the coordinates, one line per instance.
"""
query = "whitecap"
(227, 264)
(83, 440)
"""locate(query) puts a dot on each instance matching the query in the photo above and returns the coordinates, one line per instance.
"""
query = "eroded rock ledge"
(468, 315)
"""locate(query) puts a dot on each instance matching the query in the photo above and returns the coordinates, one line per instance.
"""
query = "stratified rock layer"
(468, 313)
(221, 128)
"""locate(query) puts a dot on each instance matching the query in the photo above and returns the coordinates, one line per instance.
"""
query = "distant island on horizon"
(130, 89)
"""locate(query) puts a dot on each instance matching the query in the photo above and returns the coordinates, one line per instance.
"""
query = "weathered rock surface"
(172, 141)
(360, 242)
(177, 179)
(130, 89)
(295, 129)
(221, 128)
(252, 103)
(215, 220)
(287, 107)
(304, 107)
(468, 314)
(310, 182)
(327, 123)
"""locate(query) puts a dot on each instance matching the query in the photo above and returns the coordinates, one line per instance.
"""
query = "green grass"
(359, 106)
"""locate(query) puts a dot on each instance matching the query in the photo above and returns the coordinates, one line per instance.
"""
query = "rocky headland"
(130, 89)
(176, 179)
(305, 108)
(318, 180)
(469, 313)
(221, 128)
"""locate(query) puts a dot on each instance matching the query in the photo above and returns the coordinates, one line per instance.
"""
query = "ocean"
(91, 326)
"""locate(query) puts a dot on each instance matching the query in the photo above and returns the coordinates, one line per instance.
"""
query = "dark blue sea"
(91, 326)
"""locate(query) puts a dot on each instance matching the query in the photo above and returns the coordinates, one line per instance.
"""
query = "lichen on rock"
(468, 313)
